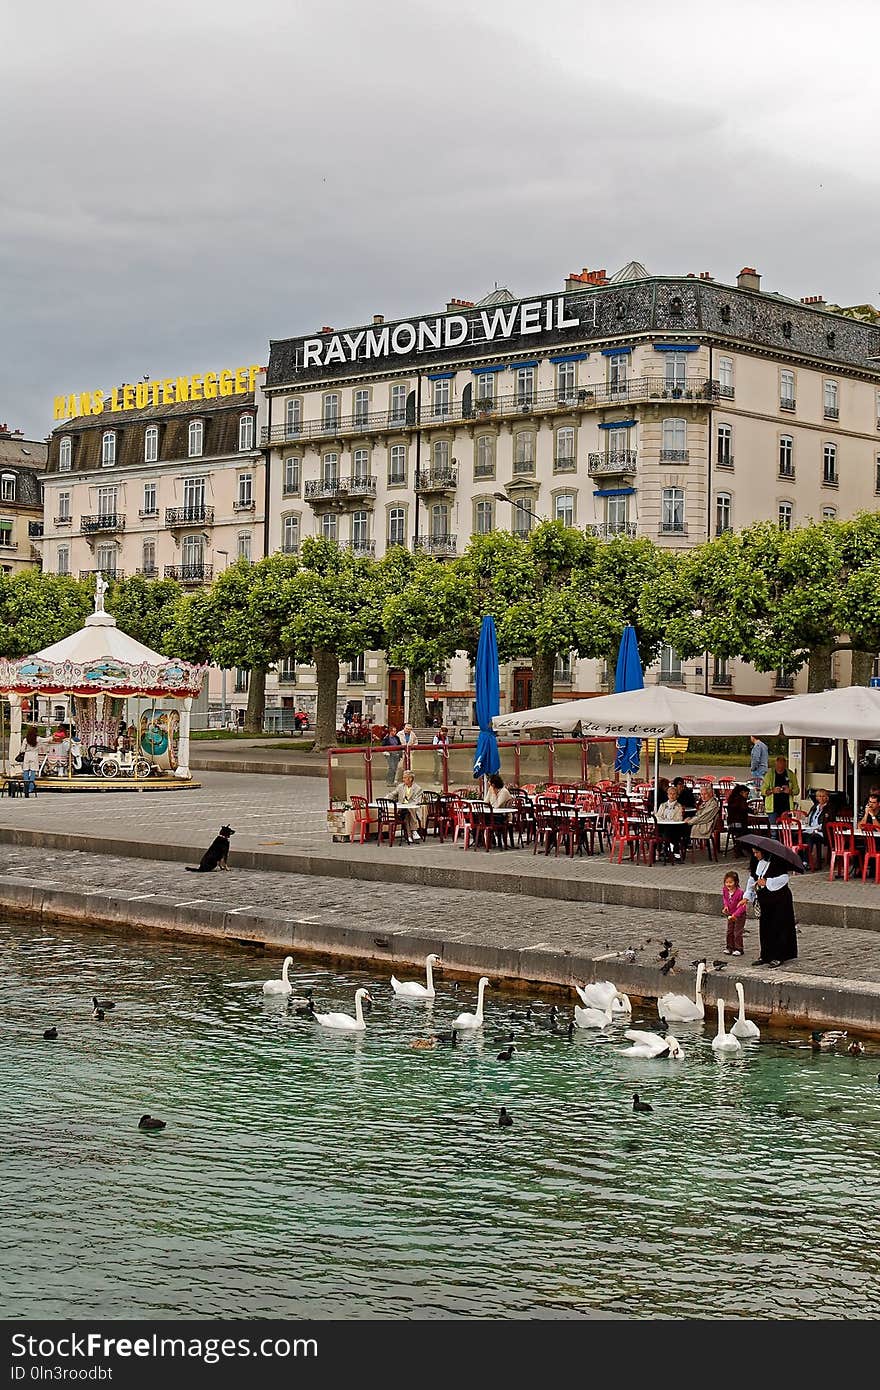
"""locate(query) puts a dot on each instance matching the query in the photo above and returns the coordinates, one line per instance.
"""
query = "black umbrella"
(774, 848)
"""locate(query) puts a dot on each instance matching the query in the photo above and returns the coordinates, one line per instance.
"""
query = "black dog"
(217, 853)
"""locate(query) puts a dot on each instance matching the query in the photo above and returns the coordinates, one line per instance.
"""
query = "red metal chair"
(362, 821)
(843, 848)
(791, 834)
(388, 822)
(871, 853)
(477, 824)
(623, 837)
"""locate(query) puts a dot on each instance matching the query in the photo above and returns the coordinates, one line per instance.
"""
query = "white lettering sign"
(442, 332)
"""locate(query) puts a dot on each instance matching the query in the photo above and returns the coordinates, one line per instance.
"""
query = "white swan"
(652, 1045)
(592, 1018)
(411, 989)
(680, 1007)
(744, 1027)
(604, 995)
(724, 1042)
(344, 1023)
(282, 986)
(474, 1020)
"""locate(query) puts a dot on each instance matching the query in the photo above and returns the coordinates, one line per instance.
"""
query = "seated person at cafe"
(701, 826)
(815, 827)
(738, 813)
(410, 806)
(871, 815)
(670, 823)
(686, 799)
(663, 787)
(497, 794)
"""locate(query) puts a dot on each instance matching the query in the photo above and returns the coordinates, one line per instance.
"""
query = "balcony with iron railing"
(436, 479)
(693, 389)
(362, 549)
(149, 514)
(524, 468)
(35, 530)
(339, 490)
(783, 682)
(722, 679)
(724, 461)
(196, 514)
(442, 547)
(607, 530)
(242, 504)
(565, 463)
(106, 571)
(787, 403)
(103, 521)
(190, 574)
(616, 461)
(63, 520)
(672, 528)
(148, 571)
(290, 548)
(832, 412)
(674, 455)
(725, 393)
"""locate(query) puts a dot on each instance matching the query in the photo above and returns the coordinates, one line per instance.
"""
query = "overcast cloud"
(182, 183)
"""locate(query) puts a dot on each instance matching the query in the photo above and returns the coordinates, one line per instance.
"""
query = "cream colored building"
(672, 407)
(22, 466)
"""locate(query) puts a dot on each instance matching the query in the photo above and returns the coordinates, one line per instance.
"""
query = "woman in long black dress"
(768, 886)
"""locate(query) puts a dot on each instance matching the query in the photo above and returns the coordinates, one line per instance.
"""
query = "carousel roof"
(100, 659)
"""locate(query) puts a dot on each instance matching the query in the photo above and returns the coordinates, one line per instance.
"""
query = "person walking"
(779, 789)
(735, 908)
(760, 762)
(30, 763)
(392, 742)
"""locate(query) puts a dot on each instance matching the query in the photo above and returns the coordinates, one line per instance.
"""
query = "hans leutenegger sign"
(441, 332)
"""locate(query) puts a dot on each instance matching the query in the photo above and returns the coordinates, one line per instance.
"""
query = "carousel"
(100, 671)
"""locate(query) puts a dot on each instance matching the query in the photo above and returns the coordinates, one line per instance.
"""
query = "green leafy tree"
(38, 609)
(146, 609)
(636, 582)
(426, 615)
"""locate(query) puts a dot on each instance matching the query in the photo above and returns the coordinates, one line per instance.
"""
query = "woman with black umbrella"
(768, 886)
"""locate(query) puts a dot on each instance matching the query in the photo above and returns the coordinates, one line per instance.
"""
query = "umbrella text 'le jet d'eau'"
(487, 684)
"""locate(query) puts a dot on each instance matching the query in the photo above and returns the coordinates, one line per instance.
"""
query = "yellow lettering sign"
(97, 402)
(226, 380)
(167, 391)
(128, 398)
(200, 386)
(114, 400)
(141, 394)
(210, 386)
(195, 387)
(182, 389)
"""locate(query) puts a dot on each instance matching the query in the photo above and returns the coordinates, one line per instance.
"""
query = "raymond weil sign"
(442, 332)
(170, 390)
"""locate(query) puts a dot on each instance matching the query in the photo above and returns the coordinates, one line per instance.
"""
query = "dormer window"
(7, 487)
(151, 444)
(196, 438)
(65, 452)
(246, 433)
(108, 449)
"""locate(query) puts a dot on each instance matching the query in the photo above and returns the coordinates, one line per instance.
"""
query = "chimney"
(326, 329)
(576, 281)
(455, 304)
(378, 318)
(748, 279)
(816, 300)
(704, 275)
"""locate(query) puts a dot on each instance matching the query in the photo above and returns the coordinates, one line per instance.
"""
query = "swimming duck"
(150, 1122)
(98, 1014)
(507, 1054)
(102, 1003)
(504, 1119)
(856, 1048)
(824, 1042)
(641, 1107)
(50, 1034)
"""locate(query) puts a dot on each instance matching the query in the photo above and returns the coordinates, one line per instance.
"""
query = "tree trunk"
(327, 669)
(543, 665)
(256, 703)
(418, 708)
(862, 667)
(819, 675)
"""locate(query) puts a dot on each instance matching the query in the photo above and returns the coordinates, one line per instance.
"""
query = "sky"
(182, 183)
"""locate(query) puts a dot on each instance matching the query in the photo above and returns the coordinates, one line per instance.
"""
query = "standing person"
(779, 789)
(760, 762)
(30, 763)
(768, 886)
(409, 738)
(735, 908)
(440, 743)
(595, 761)
(392, 741)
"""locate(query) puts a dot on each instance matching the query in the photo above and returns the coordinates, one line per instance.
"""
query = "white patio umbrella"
(657, 711)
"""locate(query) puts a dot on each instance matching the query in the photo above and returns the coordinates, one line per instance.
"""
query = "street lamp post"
(533, 516)
(225, 554)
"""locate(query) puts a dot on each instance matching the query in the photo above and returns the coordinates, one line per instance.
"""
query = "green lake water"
(308, 1175)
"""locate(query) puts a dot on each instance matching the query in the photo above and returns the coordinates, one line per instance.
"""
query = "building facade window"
(829, 513)
(484, 462)
(829, 465)
(673, 447)
(361, 403)
(563, 509)
(151, 444)
(106, 559)
(676, 371)
(360, 465)
(440, 522)
(563, 454)
(670, 666)
(524, 453)
(329, 529)
(107, 500)
(242, 680)
(786, 516)
(360, 528)
(566, 382)
(245, 493)
(245, 433)
(64, 504)
(397, 408)
(397, 465)
(616, 515)
(7, 487)
(877, 474)
(829, 399)
(196, 440)
(63, 559)
(150, 507)
(672, 511)
(786, 390)
(397, 526)
(291, 476)
(725, 377)
(194, 499)
(525, 386)
(562, 671)
(244, 545)
(108, 449)
(618, 366)
(148, 559)
(485, 384)
(330, 410)
(290, 534)
(722, 513)
(523, 517)
(193, 556)
(724, 449)
(786, 456)
(720, 671)
(330, 469)
(441, 401)
(484, 516)
(440, 456)
(292, 417)
(65, 450)
(357, 673)
(287, 671)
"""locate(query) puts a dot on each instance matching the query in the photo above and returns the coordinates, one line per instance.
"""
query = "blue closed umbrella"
(487, 759)
(628, 676)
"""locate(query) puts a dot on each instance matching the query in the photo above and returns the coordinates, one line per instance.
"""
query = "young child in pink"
(735, 909)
